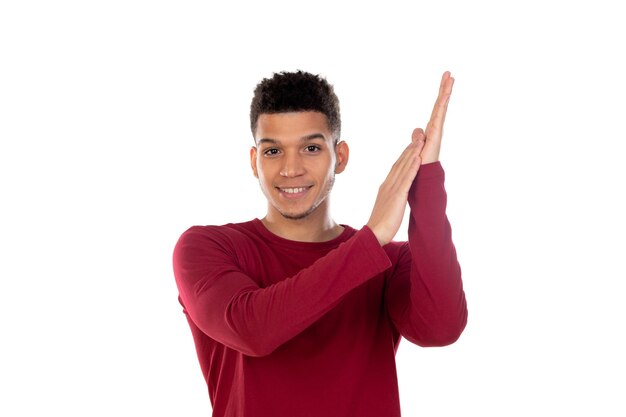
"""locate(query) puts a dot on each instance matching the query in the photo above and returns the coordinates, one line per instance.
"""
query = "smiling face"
(295, 160)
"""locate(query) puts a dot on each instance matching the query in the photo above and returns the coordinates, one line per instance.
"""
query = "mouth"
(293, 192)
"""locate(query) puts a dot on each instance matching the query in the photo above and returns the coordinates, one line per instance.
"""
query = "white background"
(122, 123)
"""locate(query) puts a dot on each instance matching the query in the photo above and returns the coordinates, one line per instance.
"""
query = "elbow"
(250, 340)
(440, 339)
(443, 332)
(244, 342)
(448, 332)
(449, 326)
(255, 348)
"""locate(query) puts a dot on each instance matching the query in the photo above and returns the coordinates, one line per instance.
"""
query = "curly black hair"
(293, 92)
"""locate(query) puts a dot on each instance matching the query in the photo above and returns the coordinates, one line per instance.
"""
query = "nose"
(292, 166)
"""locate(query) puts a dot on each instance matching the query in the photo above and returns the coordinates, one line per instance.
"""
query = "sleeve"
(231, 308)
(424, 293)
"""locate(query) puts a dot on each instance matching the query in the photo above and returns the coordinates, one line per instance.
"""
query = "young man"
(295, 315)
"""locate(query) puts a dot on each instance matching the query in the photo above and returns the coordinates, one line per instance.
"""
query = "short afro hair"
(295, 92)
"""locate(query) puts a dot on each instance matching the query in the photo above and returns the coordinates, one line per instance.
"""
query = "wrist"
(378, 234)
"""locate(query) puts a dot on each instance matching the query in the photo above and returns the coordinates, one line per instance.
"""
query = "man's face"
(295, 160)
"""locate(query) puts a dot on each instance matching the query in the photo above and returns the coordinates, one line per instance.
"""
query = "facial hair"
(311, 209)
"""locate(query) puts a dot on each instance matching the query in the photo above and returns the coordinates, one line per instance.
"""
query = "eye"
(312, 148)
(271, 152)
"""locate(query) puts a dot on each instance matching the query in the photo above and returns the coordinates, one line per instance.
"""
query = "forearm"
(437, 311)
(234, 310)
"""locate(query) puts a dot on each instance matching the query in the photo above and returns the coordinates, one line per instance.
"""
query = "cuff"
(375, 253)
(431, 170)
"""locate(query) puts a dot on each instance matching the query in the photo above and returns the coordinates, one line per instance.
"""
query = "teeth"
(293, 190)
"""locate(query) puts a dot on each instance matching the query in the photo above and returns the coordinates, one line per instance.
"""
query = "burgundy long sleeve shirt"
(294, 329)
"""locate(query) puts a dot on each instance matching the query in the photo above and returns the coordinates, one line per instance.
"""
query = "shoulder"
(230, 229)
(223, 237)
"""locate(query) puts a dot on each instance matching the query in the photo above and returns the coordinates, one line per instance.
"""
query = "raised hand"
(434, 129)
(393, 193)
(392, 196)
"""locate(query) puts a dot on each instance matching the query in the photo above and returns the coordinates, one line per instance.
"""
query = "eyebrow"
(302, 139)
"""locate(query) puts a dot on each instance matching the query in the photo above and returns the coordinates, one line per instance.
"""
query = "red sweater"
(294, 329)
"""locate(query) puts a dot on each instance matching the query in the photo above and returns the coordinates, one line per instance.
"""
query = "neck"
(316, 227)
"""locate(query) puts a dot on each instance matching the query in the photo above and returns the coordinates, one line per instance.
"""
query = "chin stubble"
(301, 216)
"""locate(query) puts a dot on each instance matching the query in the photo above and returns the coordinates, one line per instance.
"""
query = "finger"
(419, 138)
(408, 163)
(440, 108)
(417, 134)
(444, 78)
(404, 160)
(420, 143)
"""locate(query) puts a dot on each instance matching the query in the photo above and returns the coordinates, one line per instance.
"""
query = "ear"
(342, 153)
(253, 161)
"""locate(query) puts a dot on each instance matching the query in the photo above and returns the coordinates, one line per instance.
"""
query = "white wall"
(125, 122)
